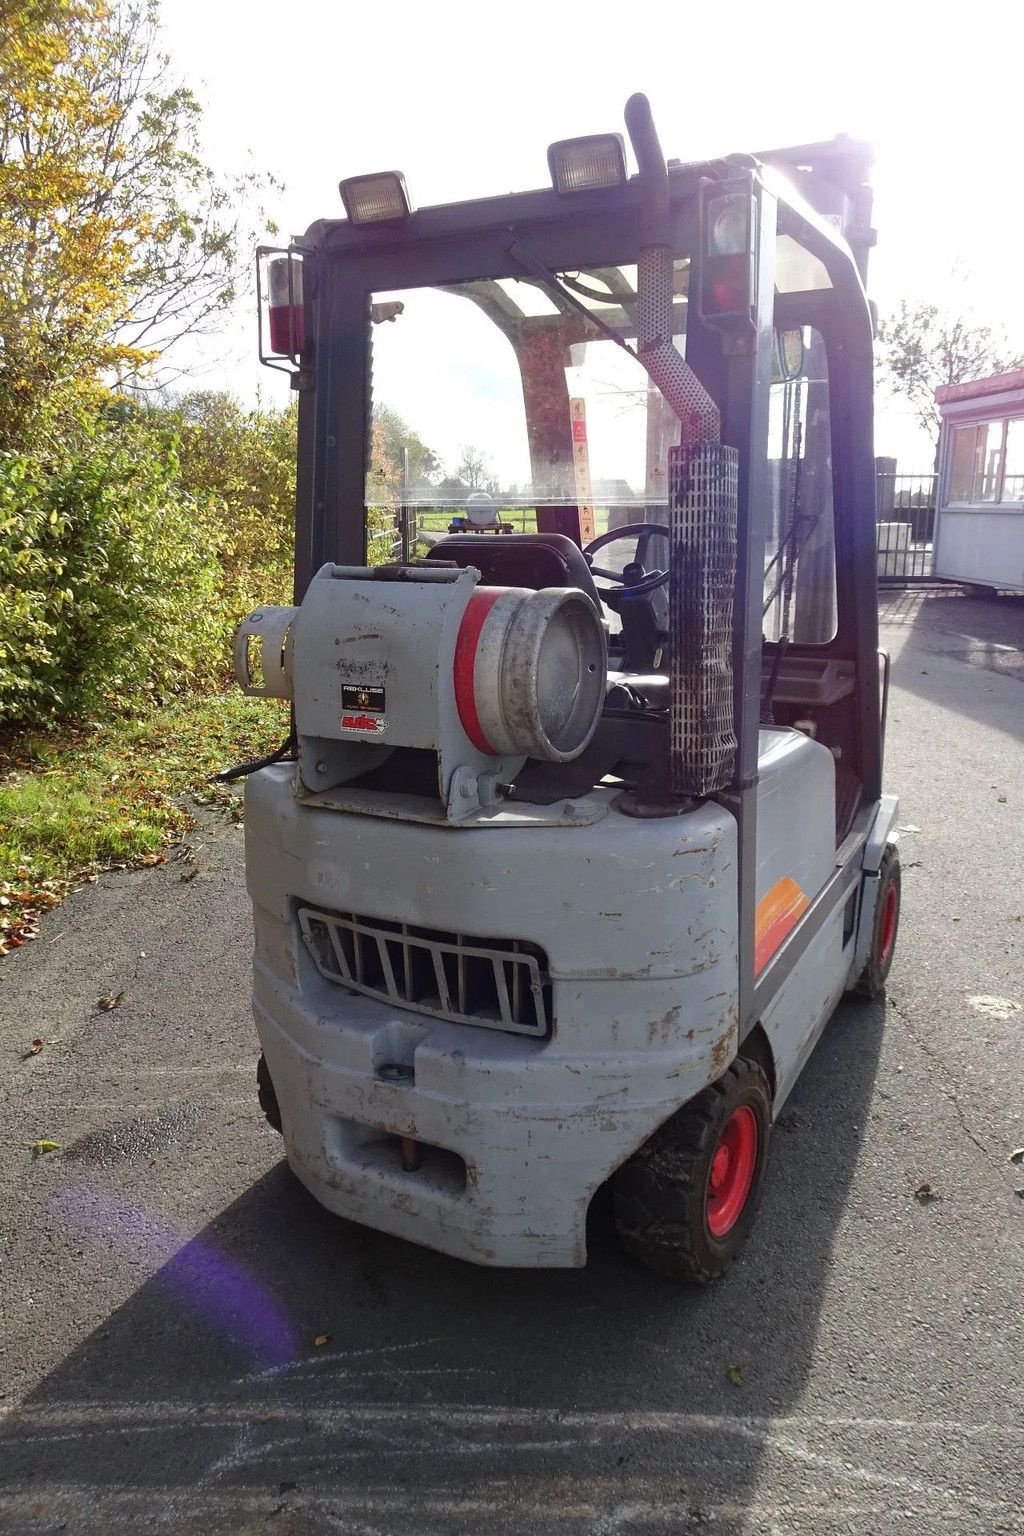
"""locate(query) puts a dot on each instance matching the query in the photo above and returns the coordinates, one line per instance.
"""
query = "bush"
(242, 464)
(109, 579)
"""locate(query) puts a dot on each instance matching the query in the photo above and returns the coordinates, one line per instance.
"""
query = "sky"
(464, 99)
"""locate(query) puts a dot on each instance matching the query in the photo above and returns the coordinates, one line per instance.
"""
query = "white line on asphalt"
(466, 1415)
(987, 645)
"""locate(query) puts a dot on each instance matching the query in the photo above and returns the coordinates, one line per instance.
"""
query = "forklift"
(578, 838)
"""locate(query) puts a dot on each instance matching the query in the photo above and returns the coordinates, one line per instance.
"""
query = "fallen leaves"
(910, 827)
(33, 1049)
(112, 1000)
(40, 1148)
(321, 1339)
(734, 1374)
(22, 903)
(924, 1194)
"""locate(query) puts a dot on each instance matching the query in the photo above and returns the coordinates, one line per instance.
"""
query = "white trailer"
(979, 518)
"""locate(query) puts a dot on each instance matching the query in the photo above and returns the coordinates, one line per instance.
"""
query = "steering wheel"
(646, 584)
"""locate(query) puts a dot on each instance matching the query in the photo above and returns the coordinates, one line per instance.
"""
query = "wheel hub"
(887, 933)
(732, 1171)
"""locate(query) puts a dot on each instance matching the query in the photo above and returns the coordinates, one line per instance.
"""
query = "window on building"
(961, 479)
(987, 463)
(1013, 472)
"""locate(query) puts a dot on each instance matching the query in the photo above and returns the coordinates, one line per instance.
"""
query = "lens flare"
(197, 1274)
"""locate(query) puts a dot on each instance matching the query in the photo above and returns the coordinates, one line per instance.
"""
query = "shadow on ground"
(447, 1398)
(985, 634)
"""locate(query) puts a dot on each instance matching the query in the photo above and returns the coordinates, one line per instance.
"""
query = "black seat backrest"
(534, 560)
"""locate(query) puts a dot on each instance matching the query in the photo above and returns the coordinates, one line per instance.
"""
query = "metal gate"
(905, 512)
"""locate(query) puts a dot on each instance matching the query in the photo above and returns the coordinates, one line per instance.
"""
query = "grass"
(81, 800)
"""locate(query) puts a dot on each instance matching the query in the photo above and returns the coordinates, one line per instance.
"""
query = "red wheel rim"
(887, 927)
(732, 1171)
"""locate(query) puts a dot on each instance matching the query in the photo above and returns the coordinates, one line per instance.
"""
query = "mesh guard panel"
(704, 499)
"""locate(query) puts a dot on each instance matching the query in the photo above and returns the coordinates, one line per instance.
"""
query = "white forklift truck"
(577, 840)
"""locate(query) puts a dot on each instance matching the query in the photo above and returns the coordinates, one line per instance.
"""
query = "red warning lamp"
(284, 310)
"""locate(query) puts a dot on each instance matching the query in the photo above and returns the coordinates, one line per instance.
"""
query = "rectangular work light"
(377, 198)
(583, 165)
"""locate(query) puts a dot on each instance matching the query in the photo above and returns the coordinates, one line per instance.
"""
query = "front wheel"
(872, 980)
(685, 1202)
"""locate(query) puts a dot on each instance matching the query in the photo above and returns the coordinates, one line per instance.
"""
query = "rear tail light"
(727, 254)
(287, 327)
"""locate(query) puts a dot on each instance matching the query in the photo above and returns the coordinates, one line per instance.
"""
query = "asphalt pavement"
(165, 1281)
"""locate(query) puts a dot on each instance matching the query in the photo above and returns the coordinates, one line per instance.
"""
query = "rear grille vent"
(497, 983)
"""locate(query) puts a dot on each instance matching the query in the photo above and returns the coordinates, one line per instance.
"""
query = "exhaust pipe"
(686, 395)
(703, 505)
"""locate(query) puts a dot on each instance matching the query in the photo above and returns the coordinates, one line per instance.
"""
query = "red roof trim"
(995, 384)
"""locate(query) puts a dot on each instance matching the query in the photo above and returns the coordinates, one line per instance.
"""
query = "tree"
(115, 238)
(392, 435)
(923, 346)
(473, 471)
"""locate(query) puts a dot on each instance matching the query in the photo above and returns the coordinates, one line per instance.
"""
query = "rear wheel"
(685, 1202)
(871, 983)
(267, 1094)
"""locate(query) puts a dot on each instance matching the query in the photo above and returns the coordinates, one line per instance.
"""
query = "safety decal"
(778, 912)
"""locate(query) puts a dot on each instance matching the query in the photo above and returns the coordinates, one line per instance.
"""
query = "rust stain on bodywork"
(724, 1048)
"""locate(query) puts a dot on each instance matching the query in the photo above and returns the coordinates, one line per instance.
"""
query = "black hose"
(244, 769)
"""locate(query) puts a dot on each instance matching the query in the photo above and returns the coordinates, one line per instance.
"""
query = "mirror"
(788, 355)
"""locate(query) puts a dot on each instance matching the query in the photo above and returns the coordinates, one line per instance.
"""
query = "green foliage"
(109, 581)
(240, 464)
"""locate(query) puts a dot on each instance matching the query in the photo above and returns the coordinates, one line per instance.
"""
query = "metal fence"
(904, 505)
(905, 513)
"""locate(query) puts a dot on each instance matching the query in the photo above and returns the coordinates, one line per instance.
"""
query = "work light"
(582, 165)
(377, 198)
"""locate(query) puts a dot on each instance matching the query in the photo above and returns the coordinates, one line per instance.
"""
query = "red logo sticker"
(372, 723)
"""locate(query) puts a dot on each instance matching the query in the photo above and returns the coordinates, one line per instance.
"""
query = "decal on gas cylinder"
(373, 725)
(362, 699)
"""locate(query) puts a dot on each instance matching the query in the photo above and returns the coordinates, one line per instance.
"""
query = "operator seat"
(534, 560)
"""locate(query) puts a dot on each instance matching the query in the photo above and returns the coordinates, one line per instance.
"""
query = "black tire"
(662, 1197)
(871, 982)
(267, 1095)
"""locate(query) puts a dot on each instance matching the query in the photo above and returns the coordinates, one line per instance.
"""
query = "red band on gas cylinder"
(477, 609)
